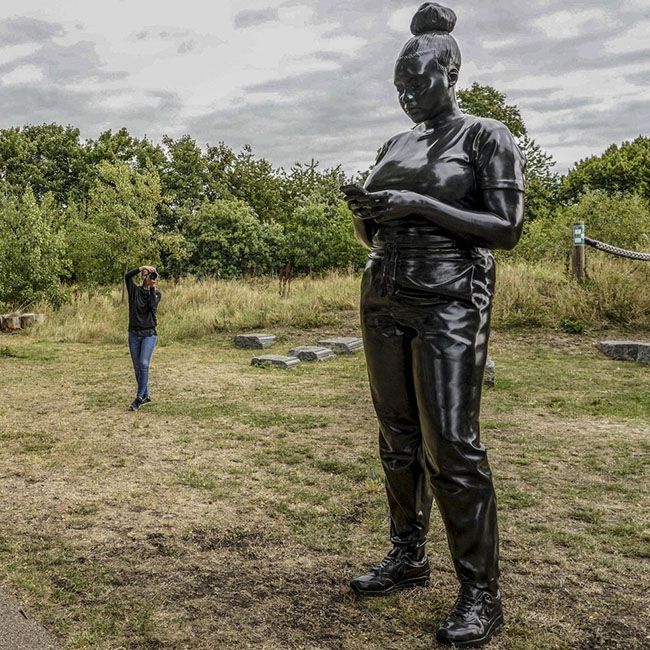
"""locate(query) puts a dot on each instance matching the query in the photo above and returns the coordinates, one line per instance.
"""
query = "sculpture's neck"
(447, 114)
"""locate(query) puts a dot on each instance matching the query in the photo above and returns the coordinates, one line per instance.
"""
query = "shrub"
(32, 252)
(227, 239)
(621, 220)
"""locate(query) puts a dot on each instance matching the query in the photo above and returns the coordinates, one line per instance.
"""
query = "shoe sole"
(496, 628)
(400, 586)
(145, 404)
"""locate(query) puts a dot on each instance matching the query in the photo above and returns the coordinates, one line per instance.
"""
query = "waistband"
(423, 236)
(149, 331)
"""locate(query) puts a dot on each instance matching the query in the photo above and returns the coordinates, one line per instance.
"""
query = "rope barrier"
(615, 250)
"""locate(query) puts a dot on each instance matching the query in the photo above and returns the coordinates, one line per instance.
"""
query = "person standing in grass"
(143, 304)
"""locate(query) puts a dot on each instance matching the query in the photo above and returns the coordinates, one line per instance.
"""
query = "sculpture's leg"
(387, 348)
(449, 354)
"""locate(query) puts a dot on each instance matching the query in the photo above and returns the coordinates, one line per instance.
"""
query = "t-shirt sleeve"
(383, 150)
(499, 162)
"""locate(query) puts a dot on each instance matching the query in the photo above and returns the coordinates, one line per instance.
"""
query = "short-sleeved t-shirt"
(454, 163)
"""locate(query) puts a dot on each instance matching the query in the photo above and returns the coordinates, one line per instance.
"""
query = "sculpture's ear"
(452, 75)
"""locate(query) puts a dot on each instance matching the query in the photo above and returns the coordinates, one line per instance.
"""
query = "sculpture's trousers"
(425, 318)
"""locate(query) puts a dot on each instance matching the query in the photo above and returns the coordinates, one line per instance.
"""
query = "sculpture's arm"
(498, 226)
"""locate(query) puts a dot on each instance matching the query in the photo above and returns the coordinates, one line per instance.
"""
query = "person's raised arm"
(128, 279)
(129, 275)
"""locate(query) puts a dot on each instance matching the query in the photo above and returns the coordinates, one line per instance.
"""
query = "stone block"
(312, 353)
(343, 345)
(490, 374)
(26, 320)
(626, 350)
(10, 323)
(276, 360)
(254, 341)
(644, 354)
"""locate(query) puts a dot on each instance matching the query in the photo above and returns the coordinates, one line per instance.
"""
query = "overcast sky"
(302, 79)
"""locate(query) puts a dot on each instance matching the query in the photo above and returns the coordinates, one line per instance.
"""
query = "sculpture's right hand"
(358, 210)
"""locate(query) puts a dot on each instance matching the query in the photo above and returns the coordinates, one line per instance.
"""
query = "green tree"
(258, 183)
(115, 227)
(121, 146)
(321, 236)
(622, 168)
(227, 240)
(32, 251)
(185, 177)
(47, 158)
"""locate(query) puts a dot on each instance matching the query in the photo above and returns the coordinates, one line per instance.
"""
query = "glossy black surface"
(474, 619)
(439, 196)
(403, 568)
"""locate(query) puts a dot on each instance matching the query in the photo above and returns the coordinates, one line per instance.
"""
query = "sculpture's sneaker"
(400, 569)
(474, 619)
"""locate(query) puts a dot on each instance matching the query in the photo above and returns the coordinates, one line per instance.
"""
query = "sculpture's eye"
(415, 85)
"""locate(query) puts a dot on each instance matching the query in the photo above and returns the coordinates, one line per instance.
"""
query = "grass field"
(232, 512)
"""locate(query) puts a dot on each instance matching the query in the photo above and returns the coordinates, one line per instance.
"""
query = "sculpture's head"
(427, 68)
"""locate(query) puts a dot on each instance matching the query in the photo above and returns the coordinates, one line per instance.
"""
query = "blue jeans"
(141, 348)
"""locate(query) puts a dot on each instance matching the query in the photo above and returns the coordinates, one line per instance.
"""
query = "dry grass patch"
(232, 511)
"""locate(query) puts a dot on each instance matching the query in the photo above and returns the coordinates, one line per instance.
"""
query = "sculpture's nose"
(406, 98)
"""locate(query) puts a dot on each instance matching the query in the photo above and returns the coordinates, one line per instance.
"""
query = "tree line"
(79, 212)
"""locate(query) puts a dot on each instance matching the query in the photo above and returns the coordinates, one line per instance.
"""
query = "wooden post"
(578, 258)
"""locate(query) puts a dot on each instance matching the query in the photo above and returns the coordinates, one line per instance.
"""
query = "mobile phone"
(353, 190)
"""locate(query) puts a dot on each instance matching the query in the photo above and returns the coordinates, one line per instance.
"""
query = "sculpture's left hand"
(389, 204)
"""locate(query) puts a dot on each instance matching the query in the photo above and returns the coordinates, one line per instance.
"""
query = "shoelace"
(384, 563)
(463, 605)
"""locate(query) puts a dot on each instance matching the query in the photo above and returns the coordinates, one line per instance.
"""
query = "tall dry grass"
(528, 295)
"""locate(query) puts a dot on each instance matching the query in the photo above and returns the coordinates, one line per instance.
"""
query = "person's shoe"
(474, 619)
(146, 400)
(136, 404)
(404, 567)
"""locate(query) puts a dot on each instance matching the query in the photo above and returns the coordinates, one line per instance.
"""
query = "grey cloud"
(253, 17)
(142, 36)
(328, 56)
(640, 78)
(65, 63)
(46, 103)
(554, 104)
(186, 46)
(346, 114)
(526, 93)
(16, 31)
(331, 115)
(624, 121)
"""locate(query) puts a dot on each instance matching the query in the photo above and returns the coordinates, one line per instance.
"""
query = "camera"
(153, 275)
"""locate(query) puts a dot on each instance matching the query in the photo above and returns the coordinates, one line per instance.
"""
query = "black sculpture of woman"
(438, 197)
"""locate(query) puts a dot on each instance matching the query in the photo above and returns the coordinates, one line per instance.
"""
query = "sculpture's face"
(424, 89)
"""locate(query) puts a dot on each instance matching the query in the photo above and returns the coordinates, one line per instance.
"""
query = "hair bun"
(432, 17)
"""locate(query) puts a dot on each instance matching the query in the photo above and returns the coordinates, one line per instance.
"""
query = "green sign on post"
(579, 234)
